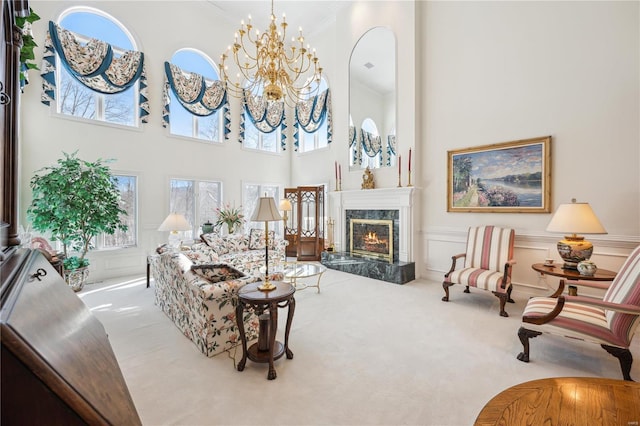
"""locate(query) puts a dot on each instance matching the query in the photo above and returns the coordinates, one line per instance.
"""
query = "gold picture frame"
(508, 177)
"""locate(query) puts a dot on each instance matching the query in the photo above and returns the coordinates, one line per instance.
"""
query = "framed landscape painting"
(509, 177)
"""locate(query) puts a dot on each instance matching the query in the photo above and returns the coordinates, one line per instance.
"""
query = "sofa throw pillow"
(217, 272)
(201, 253)
(256, 239)
(216, 242)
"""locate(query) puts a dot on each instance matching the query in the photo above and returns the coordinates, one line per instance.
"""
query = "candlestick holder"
(337, 185)
(409, 184)
(399, 180)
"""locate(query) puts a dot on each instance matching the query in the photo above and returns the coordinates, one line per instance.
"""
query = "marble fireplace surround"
(379, 202)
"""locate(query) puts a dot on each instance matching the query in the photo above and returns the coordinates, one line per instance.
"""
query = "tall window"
(128, 186)
(251, 192)
(255, 139)
(75, 99)
(197, 200)
(183, 122)
(318, 139)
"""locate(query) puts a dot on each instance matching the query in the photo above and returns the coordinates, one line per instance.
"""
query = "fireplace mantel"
(401, 199)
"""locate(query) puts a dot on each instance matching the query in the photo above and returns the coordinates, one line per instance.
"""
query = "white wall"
(161, 27)
(469, 74)
(503, 71)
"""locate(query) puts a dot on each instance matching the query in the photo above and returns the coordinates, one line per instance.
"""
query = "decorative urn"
(586, 267)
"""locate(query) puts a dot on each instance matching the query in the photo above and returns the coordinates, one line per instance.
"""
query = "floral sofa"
(197, 287)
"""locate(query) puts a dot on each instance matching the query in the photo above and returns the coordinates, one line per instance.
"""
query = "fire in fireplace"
(372, 237)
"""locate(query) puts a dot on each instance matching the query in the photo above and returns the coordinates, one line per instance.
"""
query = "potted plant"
(75, 201)
(230, 216)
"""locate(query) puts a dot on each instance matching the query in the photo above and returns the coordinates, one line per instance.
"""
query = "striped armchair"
(609, 322)
(487, 265)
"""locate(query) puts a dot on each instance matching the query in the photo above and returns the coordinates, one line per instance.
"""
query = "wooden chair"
(609, 322)
(488, 263)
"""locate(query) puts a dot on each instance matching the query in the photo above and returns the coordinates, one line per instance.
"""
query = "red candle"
(399, 164)
(336, 166)
(409, 159)
(339, 171)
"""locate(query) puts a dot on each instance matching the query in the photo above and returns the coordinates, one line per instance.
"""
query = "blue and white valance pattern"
(198, 95)
(266, 116)
(310, 115)
(391, 148)
(94, 64)
(371, 143)
(355, 146)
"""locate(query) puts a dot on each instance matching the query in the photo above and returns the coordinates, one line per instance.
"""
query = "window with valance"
(313, 121)
(203, 110)
(262, 123)
(89, 76)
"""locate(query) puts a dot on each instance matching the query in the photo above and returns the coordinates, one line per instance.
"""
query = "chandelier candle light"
(268, 67)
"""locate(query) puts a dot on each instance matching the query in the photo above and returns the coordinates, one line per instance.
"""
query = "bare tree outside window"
(196, 200)
(128, 187)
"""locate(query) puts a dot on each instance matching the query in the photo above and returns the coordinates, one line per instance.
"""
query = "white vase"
(587, 268)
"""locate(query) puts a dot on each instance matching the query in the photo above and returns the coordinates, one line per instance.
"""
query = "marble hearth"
(394, 204)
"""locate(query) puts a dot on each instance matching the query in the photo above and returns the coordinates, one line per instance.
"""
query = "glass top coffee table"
(294, 272)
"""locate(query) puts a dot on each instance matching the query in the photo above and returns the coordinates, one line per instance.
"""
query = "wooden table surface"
(565, 401)
(571, 274)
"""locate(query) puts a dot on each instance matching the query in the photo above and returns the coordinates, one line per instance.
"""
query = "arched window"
(317, 139)
(183, 122)
(76, 99)
(253, 137)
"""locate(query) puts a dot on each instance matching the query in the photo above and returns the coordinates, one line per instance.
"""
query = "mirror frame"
(377, 48)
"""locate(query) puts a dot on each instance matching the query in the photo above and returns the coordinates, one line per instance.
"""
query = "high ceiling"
(312, 16)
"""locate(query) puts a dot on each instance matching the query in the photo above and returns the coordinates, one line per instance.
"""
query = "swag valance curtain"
(372, 144)
(266, 116)
(94, 64)
(196, 94)
(311, 113)
(391, 148)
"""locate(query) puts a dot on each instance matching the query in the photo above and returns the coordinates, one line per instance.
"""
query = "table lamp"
(285, 206)
(173, 223)
(574, 218)
(266, 211)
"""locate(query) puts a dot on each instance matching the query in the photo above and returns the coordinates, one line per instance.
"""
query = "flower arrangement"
(230, 216)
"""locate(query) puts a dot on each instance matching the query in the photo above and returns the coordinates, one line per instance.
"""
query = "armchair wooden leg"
(466, 290)
(503, 301)
(625, 358)
(524, 335)
(509, 299)
(445, 286)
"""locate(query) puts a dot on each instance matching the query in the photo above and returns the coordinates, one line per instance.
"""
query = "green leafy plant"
(27, 55)
(74, 201)
(230, 216)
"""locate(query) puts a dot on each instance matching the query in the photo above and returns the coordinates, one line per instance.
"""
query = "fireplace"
(372, 238)
(389, 205)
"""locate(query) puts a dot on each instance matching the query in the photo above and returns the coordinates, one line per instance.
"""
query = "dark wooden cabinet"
(57, 364)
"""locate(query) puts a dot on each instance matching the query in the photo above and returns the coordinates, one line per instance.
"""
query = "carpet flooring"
(366, 352)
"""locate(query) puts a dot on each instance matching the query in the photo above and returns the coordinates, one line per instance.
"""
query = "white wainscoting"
(440, 243)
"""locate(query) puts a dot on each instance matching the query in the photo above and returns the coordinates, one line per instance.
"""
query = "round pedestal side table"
(266, 304)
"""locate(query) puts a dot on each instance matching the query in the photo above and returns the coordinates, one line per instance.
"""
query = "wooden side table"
(596, 280)
(564, 400)
(267, 349)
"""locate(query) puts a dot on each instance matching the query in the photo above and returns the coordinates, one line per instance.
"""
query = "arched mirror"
(372, 96)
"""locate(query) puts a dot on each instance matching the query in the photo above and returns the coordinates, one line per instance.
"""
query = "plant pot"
(77, 278)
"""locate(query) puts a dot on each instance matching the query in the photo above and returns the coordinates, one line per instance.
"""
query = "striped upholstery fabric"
(591, 323)
(489, 248)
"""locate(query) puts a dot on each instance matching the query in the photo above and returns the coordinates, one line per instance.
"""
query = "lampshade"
(266, 210)
(574, 218)
(285, 205)
(175, 222)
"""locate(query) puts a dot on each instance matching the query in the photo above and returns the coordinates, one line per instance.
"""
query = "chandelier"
(268, 67)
